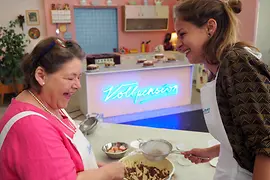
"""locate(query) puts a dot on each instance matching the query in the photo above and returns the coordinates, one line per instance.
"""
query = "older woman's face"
(61, 85)
(191, 40)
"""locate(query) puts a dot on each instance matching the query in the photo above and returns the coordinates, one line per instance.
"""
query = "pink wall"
(128, 40)
(248, 19)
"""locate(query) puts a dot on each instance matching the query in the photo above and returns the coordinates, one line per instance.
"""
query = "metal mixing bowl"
(89, 125)
(116, 155)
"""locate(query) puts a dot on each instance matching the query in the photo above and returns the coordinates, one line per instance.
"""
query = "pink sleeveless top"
(36, 148)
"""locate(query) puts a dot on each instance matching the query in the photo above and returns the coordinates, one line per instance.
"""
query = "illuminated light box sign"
(138, 94)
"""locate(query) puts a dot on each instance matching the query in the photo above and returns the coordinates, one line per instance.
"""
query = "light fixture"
(174, 39)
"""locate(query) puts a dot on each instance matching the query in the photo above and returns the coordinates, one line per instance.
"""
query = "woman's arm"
(99, 174)
(195, 155)
(214, 150)
(42, 154)
(261, 168)
(246, 84)
(113, 171)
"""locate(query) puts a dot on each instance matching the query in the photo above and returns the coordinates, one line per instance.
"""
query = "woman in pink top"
(38, 140)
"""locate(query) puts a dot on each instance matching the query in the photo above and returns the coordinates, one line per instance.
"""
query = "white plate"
(109, 66)
(135, 144)
(213, 142)
(94, 70)
(214, 162)
(148, 66)
(181, 160)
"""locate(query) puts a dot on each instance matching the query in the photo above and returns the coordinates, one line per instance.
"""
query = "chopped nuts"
(143, 172)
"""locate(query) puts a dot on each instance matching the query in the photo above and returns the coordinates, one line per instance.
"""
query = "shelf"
(132, 25)
(61, 16)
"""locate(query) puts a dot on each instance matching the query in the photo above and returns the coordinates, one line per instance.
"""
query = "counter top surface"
(130, 64)
(106, 133)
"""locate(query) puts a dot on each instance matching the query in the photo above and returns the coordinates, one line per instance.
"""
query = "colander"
(158, 149)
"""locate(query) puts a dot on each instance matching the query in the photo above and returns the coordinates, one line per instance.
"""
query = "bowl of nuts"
(138, 167)
(115, 150)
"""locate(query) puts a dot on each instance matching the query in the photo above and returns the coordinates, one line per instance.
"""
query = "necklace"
(46, 109)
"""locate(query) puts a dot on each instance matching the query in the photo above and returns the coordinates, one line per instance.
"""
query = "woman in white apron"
(236, 99)
(52, 75)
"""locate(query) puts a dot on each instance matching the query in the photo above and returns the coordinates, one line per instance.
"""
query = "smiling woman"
(45, 143)
(213, 26)
(236, 100)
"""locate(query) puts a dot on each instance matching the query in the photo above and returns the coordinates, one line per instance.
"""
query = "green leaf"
(14, 44)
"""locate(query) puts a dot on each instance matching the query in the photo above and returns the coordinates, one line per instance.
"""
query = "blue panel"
(96, 30)
(191, 121)
(168, 122)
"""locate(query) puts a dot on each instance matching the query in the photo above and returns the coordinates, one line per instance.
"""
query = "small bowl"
(116, 155)
(89, 125)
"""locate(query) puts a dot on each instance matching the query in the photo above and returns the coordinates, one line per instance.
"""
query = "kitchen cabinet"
(132, 12)
(161, 12)
(146, 18)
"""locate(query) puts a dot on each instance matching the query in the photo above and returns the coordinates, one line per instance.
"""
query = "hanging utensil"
(57, 31)
(91, 122)
(67, 35)
(63, 28)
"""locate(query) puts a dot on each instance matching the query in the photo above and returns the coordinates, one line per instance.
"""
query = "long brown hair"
(198, 12)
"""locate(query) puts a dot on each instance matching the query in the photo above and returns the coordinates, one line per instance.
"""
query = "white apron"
(79, 141)
(227, 167)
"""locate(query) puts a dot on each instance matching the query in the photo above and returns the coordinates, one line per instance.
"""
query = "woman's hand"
(111, 171)
(202, 155)
(101, 164)
(114, 170)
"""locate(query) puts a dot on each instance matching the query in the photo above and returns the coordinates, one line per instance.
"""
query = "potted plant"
(12, 50)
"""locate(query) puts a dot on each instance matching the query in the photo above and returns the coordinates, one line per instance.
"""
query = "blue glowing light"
(139, 95)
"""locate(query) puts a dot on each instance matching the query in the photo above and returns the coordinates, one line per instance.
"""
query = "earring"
(43, 83)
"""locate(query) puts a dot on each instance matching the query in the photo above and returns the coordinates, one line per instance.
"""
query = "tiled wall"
(96, 29)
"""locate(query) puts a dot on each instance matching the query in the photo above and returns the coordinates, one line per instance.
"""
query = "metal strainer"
(157, 149)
